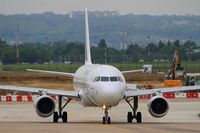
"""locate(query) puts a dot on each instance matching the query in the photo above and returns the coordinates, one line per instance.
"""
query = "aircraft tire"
(129, 117)
(139, 117)
(109, 120)
(64, 117)
(104, 120)
(55, 117)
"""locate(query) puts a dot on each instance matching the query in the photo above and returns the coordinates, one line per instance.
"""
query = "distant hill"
(139, 29)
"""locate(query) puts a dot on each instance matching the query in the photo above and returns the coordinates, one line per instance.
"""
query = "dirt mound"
(144, 77)
(38, 80)
(24, 76)
(52, 81)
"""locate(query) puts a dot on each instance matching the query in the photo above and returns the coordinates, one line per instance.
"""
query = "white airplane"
(98, 86)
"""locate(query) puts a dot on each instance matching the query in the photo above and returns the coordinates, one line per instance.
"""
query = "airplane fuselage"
(99, 85)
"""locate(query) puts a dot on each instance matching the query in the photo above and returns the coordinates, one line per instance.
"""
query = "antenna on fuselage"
(87, 40)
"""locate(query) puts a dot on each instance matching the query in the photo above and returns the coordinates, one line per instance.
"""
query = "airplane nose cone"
(110, 94)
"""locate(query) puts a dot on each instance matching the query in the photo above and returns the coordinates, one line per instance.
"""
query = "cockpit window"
(120, 79)
(108, 79)
(96, 79)
(105, 79)
(113, 79)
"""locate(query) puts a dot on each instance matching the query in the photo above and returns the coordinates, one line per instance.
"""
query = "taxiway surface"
(22, 118)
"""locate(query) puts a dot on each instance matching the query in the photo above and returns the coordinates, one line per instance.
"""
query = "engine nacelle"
(45, 106)
(158, 106)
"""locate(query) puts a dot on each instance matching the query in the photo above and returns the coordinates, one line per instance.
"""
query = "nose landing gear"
(106, 118)
(134, 115)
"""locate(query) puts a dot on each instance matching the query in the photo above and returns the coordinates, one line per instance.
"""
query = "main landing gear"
(61, 114)
(106, 118)
(134, 114)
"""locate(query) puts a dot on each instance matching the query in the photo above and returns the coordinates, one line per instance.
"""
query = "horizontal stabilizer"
(133, 71)
(52, 72)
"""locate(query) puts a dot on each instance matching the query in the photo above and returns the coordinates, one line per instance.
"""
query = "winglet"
(87, 40)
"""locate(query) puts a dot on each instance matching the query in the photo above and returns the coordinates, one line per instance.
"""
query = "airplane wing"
(160, 90)
(69, 94)
(52, 72)
(133, 71)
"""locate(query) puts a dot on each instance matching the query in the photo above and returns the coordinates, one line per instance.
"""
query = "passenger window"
(120, 79)
(105, 79)
(113, 79)
(96, 79)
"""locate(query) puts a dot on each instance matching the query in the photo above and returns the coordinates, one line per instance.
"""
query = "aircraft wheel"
(129, 117)
(104, 120)
(55, 117)
(109, 120)
(64, 117)
(139, 117)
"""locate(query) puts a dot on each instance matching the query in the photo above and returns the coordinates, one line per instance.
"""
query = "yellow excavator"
(176, 72)
(176, 75)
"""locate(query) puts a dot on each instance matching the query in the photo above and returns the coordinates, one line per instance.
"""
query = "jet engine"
(158, 106)
(44, 105)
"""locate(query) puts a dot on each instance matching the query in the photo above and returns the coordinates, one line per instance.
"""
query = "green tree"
(9, 56)
(102, 44)
(29, 54)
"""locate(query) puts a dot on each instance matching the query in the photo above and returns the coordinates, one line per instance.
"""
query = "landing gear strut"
(134, 114)
(61, 114)
(106, 118)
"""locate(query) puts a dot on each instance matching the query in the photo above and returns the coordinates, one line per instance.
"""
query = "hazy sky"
(152, 7)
